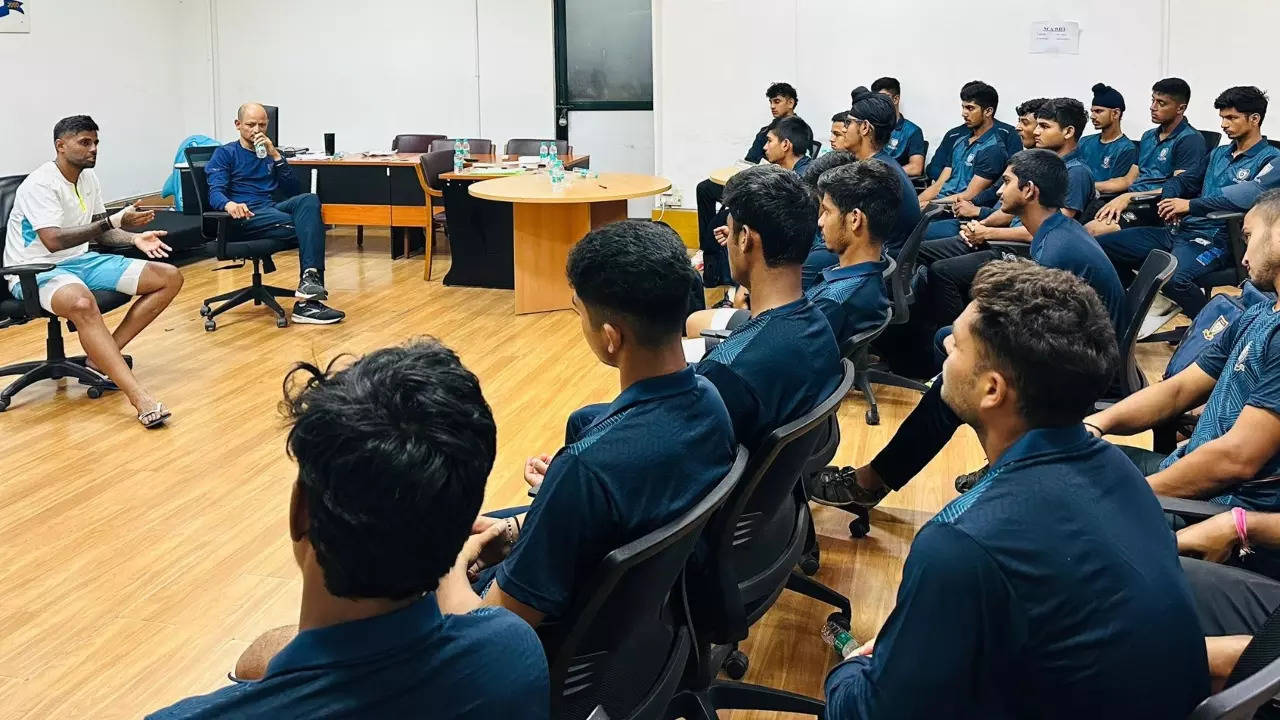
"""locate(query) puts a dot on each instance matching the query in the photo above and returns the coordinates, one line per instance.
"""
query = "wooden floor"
(136, 565)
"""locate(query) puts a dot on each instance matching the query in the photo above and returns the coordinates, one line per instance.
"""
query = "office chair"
(920, 182)
(628, 641)
(430, 166)
(1211, 139)
(479, 146)
(410, 143)
(227, 247)
(531, 146)
(1233, 275)
(1252, 686)
(1154, 273)
(901, 297)
(815, 148)
(753, 544)
(56, 365)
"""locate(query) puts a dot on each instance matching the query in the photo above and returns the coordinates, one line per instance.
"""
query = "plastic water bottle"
(544, 155)
(839, 639)
(557, 174)
(457, 156)
(466, 148)
(260, 149)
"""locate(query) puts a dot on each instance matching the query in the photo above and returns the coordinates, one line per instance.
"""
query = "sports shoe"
(965, 482)
(838, 487)
(310, 287)
(314, 312)
(1162, 311)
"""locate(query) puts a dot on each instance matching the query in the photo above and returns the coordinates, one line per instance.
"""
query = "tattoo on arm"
(62, 238)
(116, 238)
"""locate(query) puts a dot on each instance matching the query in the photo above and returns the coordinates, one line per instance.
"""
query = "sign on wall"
(13, 17)
(1055, 37)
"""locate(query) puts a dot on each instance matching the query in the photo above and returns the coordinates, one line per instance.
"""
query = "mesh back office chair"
(901, 297)
(430, 166)
(1233, 274)
(411, 143)
(1211, 139)
(56, 364)
(1154, 273)
(754, 543)
(920, 182)
(479, 146)
(216, 227)
(629, 640)
(531, 146)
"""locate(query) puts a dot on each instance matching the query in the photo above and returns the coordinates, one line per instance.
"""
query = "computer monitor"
(273, 124)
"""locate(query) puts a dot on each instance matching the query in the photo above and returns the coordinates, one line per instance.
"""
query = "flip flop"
(154, 417)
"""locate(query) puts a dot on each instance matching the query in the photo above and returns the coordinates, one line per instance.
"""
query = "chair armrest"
(720, 334)
(1225, 215)
(1192, 510)
(222, 227)
(434, 193)
(27, 281)
(1014, 247)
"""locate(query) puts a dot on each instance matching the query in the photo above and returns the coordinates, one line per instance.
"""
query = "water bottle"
(839, 639)
(466, 147)
(260, 149)
(457, 156)
(544, 155)
(557, 174)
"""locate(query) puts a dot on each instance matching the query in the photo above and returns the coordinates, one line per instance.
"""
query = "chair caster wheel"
(840, 619)
(735, 666)
(4, 404)
(809, 565)
(859, 526)
(873, 416)
(205, 311)
(210, 325)
(282, 322)
(94, 392)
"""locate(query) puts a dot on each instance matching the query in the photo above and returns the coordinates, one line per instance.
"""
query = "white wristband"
(118, 219)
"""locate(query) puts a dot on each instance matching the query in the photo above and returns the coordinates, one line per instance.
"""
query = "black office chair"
(411, 143)
(55, 365)
(1231, 275)
(753, 544)
(815, 148)
(1211, 139)
(430, 166)
(901, 297)
(1251, 688)
(920, 182)
(479, 146)
(218, 229)
(531, 146)
(629, 639)
(1154, 273)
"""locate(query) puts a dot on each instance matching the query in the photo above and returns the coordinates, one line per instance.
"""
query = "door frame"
(563, 104)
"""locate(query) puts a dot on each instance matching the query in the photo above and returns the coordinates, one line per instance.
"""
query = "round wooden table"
(721, 176)
(546, 223)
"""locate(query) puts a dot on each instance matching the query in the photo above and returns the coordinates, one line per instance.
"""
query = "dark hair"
(876, 109)
(982, 94)
(1245, 98)
(1030, 107)
(823, 163)
(1176, 88)
(797, 131)
(841, 117)
(637, 273)
(74, 125)
(887, 83)
(870, 186)
(393, 453)
(1046, 170)
(854, 93)
(1268, 203)
(783, 90)
(1067, 112)
(777, 205)
(1047, 331)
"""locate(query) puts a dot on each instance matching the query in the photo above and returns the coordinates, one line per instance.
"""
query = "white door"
(617, 141)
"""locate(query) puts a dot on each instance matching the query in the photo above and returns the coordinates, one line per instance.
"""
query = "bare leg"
(76, 303)
(157, 286)
(697, 322)
(1224, 652)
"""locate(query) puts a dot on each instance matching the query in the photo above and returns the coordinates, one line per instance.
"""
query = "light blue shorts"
(92, 270)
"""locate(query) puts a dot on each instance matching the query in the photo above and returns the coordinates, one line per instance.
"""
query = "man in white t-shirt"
(57, 212)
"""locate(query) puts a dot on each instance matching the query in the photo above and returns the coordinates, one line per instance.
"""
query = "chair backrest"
(530, 146)
(1211, 139)
(1253, 682)
(8, 193)
(750, 538)
(815, 148)
(1154, 273)
(197, 158)
(1237, 245)
(273, 124)
(433, 164)
(900, 291)
(479, 146)
(627, 644)
(1273, 143)
(414, 143)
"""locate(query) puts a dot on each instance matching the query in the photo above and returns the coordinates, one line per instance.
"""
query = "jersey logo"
(1242, 174)
(1218, 326)
(893, 143)
(1106, 162)
(969, 160)
(1244, 355)
(1164, 154)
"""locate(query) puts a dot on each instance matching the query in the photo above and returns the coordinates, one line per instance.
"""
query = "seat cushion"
(108, 300)
(263, 247)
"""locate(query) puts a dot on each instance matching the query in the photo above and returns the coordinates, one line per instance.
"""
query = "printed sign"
(1055, 37)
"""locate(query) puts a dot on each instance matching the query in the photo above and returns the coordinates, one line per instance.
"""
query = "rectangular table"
(360, 190)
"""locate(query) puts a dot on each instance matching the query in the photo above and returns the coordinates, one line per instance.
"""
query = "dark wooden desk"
(359, 190)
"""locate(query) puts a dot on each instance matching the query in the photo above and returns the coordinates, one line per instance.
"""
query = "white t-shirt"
(47, 199)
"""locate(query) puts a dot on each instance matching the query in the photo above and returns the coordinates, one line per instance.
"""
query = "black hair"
(784, 90)
(1176, 88)
(870, 186)
(635, 273)
(980, 93)
(841, 117)
(776, 204)
(823, 163)
(1245, 98)
(1030, 107)
(74, 125)
(887, 83)
(877, 110)
(797, 131)
(1067, 112)
(1046, 170)
(393, 453)
(1047, 331)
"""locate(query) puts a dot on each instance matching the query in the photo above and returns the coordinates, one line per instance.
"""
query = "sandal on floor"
(154, 417)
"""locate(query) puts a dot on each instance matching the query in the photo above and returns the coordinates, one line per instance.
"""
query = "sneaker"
(838, 487)
(310, 287)
(314, 312)
(965, 482)
(1162, 311)
(725, 302)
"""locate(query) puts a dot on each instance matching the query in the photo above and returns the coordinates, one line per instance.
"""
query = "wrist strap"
(1242, 530)
(117, 220)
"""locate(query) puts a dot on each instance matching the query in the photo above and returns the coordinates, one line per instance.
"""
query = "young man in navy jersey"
(906, 142)
(1051, 589)
(1111, 157)
(870, 122)
(628, 467)
(976, 161)
(1169, 149)
(1199, 244)
(393, 453)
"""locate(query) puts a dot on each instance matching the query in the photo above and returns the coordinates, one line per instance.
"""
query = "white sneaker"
(1162, 311)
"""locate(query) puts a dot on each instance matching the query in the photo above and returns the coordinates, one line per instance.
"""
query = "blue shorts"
(94, 271)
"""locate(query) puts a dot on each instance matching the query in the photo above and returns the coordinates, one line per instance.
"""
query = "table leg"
(543, 233)
(603, 213)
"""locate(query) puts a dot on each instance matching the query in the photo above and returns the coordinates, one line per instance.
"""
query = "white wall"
(127, 65)
(714, 58)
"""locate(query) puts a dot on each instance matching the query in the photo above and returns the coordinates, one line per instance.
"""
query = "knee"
(310, 201)
(81, 304)
(172, 276)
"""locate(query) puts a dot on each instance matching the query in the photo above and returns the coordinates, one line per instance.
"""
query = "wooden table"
(473, 173)
(362, 190)
(720, 176)
(547, 223)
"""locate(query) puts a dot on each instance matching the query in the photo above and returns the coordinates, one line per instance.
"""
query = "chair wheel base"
(860, 525)
(809, 565)
(281, 322)
(94, 392)
(210, 325)
(4, 404)
(205, 311)
(840, 619)
(873, 417)
(735, 666)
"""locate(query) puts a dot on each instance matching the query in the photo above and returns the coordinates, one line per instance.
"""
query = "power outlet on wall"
(672, 198)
